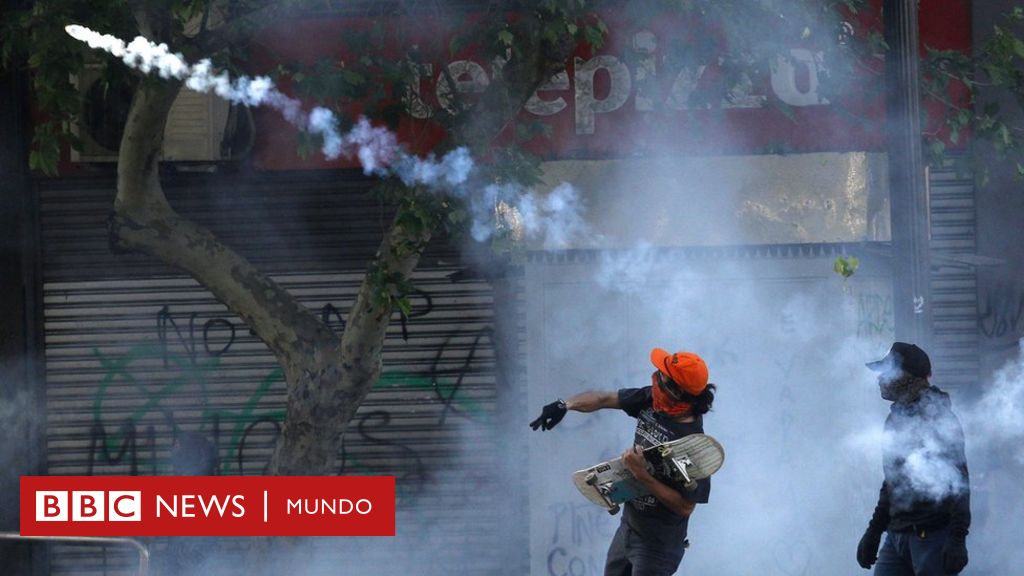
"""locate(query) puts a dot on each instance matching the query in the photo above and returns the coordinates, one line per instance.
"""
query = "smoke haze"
(785, 340)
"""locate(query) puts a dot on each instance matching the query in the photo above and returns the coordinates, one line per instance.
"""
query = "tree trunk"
(324, 396)
(143, 221)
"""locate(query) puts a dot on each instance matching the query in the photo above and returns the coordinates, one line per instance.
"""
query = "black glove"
(550, 416)
(954, 554)
(867, 550)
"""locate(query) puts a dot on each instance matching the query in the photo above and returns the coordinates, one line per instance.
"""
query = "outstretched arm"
(633, 458)
(591, 401)
(553, 413)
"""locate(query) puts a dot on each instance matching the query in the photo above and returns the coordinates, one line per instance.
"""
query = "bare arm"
(553, 413)
(671, 499)
(591, 401)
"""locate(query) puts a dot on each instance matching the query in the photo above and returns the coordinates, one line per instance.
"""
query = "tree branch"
(143, 220)
(312, 430)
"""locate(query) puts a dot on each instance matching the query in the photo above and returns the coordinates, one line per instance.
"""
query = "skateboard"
(683, 461)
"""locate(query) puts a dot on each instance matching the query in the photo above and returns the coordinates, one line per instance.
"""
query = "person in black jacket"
(651, 538)
(924, 502)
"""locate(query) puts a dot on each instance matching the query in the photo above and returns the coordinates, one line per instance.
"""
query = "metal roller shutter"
(136, 353)
(954, 285)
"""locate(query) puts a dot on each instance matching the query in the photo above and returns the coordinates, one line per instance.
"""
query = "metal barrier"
(139, 546)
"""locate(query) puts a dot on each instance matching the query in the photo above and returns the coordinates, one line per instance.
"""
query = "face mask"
(662, 391)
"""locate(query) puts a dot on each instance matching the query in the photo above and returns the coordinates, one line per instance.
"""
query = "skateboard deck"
(682, 461)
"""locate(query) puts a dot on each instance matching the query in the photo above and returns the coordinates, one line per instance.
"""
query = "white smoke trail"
(376, 148)
(554, 218)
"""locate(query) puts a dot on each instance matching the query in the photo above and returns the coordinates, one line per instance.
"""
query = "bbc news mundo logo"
(208, 506)
(88, 506)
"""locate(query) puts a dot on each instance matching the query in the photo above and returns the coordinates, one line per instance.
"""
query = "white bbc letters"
(125, 506)
(51, 506)
(88, 506)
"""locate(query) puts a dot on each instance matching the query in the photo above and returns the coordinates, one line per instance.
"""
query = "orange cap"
(686, 369)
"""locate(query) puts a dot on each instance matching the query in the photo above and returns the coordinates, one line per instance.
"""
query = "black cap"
(906, 357)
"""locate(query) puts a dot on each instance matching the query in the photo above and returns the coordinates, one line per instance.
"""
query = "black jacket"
(926, 480)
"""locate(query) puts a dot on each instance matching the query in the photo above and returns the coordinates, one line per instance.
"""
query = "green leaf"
(404, 306)
(846, 267)
(593, 36)
(505, 37)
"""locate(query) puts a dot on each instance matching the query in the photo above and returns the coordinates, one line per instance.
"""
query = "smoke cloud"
(798, 412)
(554, 218)
(999, 415)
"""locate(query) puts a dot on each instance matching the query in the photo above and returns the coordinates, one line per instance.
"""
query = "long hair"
(700, 403)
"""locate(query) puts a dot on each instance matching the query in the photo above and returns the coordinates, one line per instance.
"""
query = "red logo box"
(208, 505)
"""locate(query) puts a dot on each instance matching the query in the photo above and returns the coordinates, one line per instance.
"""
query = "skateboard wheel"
(591, 478)
(614, 510)
(690, 486)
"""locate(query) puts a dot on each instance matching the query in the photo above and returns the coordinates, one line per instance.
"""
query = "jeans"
(910, 554)
(630, 555)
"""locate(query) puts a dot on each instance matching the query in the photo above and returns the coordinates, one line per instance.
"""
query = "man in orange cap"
(651, 538)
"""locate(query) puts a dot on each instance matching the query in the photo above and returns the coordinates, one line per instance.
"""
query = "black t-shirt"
(646, 515)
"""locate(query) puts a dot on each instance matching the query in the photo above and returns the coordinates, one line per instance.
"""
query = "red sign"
(623, 100)
(208, 506)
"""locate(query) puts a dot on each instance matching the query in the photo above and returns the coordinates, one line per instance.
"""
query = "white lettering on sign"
(469, 78)
(644, 44)
(683, 87)
(587, 103)
(326, 506)
(540, 107)
(414, 103)
(184, 506)
(784, 78)
(794, 81)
